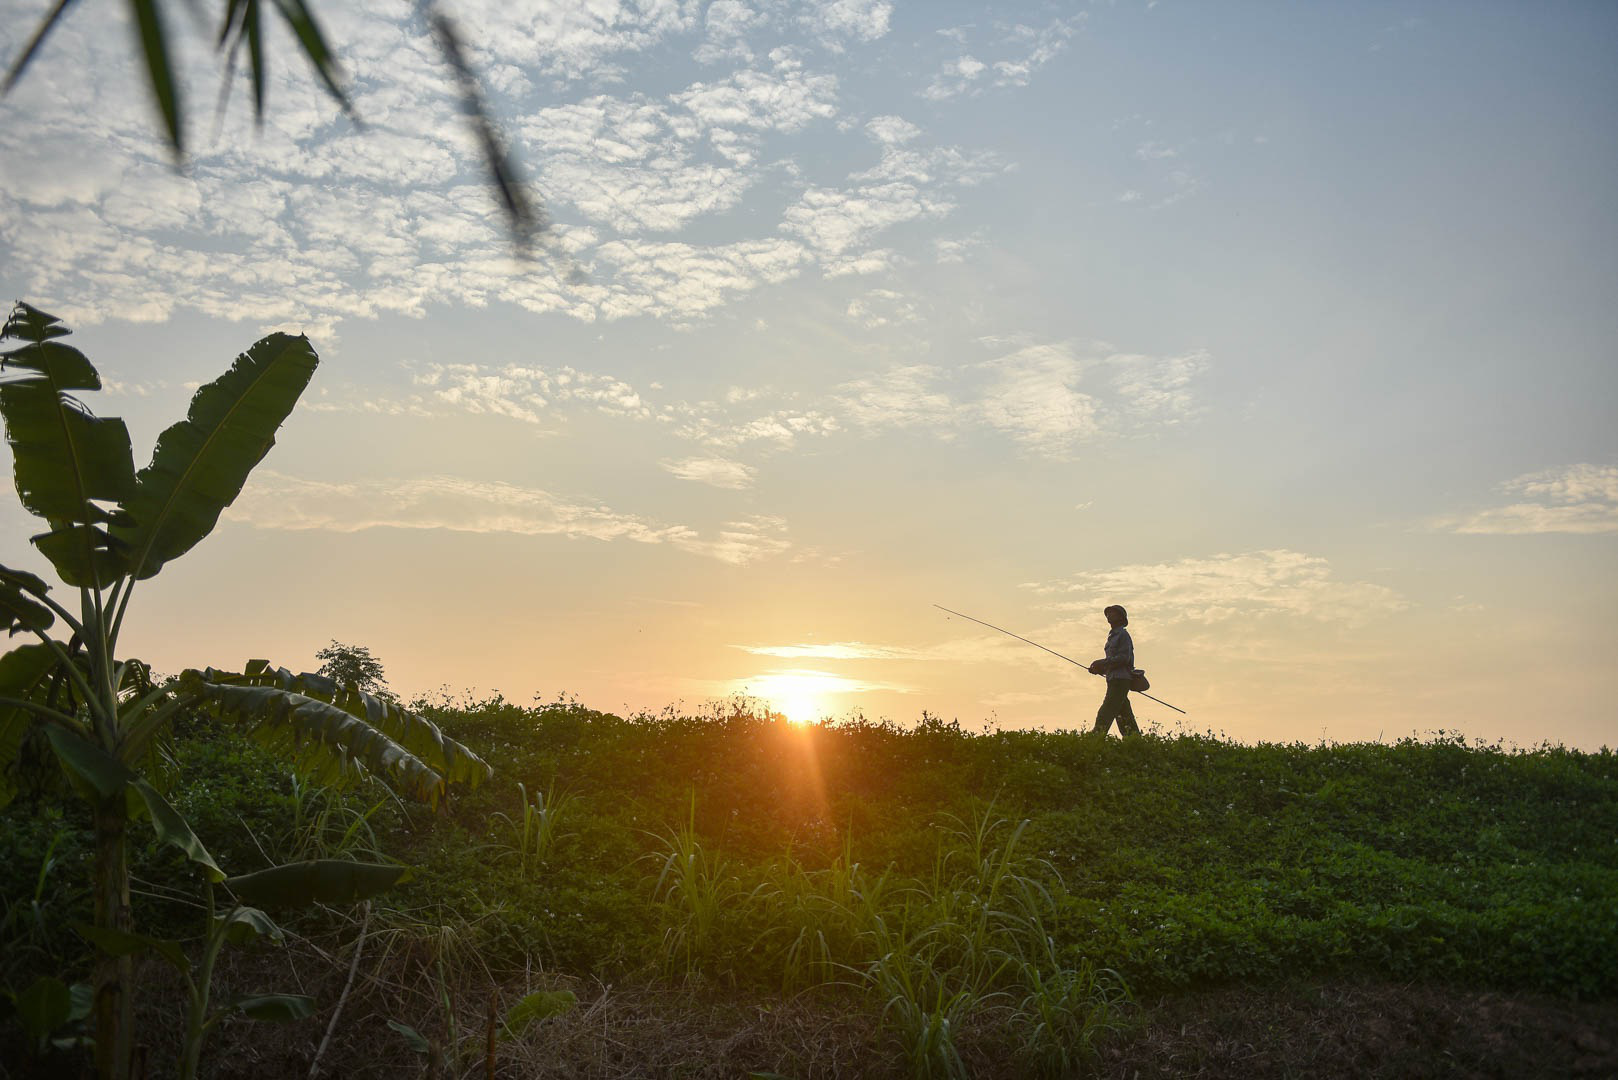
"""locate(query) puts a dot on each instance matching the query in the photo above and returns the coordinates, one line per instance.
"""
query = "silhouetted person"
(1119, 668)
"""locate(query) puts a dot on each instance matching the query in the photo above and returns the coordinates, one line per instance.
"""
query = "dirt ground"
(1307, 1030)
(1367, 1030)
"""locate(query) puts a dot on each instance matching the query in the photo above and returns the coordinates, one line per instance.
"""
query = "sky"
(1291, 328)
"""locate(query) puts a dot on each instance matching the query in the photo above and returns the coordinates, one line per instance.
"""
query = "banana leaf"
(67, 461)
(414, 733)
(316, 881)
(320, 738)
(201, 463)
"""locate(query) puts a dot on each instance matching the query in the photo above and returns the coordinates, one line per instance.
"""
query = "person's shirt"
(1120, 654)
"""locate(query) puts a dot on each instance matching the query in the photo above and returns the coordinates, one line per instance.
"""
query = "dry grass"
(650, 1028)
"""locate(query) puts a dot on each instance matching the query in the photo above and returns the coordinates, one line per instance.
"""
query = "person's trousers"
(1115, 706)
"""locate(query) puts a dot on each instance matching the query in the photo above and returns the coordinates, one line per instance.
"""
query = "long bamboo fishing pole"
(1053, 652)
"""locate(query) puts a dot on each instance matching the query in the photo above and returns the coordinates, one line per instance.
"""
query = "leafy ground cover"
(729, 893)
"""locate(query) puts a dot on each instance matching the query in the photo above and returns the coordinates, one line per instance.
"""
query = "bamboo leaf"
(159, 68)
(201, 463)
(33, 44)
(303, 25)
(317, 881)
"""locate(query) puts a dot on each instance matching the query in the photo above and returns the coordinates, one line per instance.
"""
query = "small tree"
(353, 665)
(109, 528)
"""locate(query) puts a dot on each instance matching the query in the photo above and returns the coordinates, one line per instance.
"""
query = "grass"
(940, 898)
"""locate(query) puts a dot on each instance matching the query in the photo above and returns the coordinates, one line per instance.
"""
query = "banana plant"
(68, 692)
(293, 885)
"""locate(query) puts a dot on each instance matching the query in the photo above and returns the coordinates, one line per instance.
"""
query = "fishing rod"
(1053, 652)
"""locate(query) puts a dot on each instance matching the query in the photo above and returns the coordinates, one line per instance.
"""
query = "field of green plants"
(730, 893)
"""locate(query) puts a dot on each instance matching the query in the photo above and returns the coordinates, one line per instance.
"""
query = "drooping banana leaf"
(109, 777)
(315, 881)
(19, 610)
(415, 733)
(201, 463)
(67, 461)
(25, 675)
(320, 739)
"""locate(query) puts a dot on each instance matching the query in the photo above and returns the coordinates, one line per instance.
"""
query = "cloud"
(1023, 50)
(837, 650)
(1579, 498)
(1159, 388)
(1222, 588)
(831, 221)
(902, 397)
(634, 164)
(522, 392)
(276, 501)
(778, 430)
(883, 307)
(717, 472)
(1032, 397)
(796, 683)
(857, 20)
(1031, 394)
(312, 222)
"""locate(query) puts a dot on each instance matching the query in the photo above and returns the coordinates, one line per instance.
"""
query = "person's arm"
(1120, 653)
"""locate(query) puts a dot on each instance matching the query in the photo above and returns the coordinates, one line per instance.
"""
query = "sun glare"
(800, 696)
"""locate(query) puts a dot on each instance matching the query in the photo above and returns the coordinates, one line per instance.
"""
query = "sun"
(800, 710)
(800, 696)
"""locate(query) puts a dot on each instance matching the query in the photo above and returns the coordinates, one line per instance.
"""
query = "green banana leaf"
(417, 736)
(109, 777)
(66, 459)
(18, 607)
(316, 881)
(277, 1008)
(27, 673)
(321, 740)
(201, 463)
(115, 942)
(245, 925)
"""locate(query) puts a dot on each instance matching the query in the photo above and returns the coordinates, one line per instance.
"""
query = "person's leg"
(1104, 714)
(1126, 712)
(1115, 704)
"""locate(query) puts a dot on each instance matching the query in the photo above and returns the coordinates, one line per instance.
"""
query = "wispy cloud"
(780, 429)
(788, 683)
(1159, 388)
(1041, 395)
(522, 392)
(313, 222)
(277, 501)
(716, 472)
(902, 397)
(837, 650)
(1221, 588)
(1021, 51)
(1579, 498)
(1033, 397)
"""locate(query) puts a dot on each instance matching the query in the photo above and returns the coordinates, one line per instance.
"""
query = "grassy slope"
(1186, 864)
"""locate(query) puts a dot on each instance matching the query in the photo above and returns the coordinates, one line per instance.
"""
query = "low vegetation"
(730, 893)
